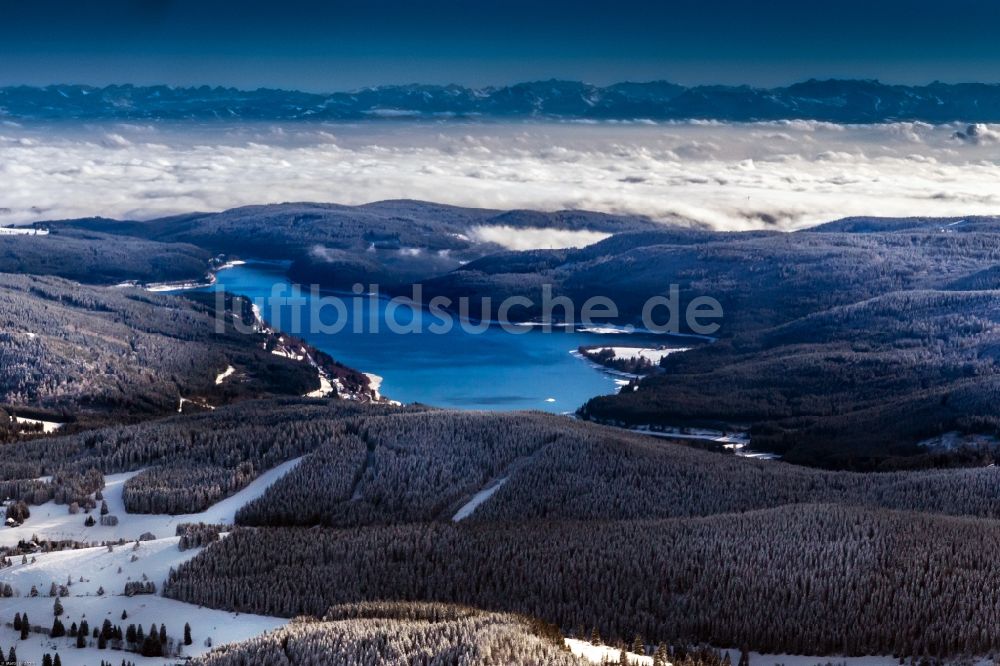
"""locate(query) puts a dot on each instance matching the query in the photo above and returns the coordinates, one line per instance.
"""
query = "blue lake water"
(493, 370)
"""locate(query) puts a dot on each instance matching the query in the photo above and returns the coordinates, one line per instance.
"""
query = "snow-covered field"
(167, 287)
(47, 426)
(51, 520)
(603, 654)
(96, 577)
(653, 355)
(98, 568)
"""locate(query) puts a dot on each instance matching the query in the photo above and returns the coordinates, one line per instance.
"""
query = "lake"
(493, 370)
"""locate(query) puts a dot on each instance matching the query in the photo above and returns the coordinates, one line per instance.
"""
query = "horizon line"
(218, 86)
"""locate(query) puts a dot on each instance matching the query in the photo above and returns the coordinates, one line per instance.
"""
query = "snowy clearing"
(651, 354)
(736, 441)
(96, 578)
(51, 520)
(221, 377)
(758, 659)
(47, 426)
(166, 287)
(476, 500)
(603, 654)
(100, 568)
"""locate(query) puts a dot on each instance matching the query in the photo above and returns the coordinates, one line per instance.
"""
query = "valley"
(233, 473)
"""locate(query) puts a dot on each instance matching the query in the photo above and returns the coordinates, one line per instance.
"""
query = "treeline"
(196, 535)
(424, 467)
(180, 488)
(402, 468)
(815, 579)
(400, 633)
(233, 443)
(66, 486)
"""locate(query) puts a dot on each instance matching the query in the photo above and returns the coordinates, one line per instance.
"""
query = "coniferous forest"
(404, 533)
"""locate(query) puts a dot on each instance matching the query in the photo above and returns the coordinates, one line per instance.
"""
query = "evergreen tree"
(25, 627)
(187, 634)
(12, 655)
(17, 622)
(56, 661)
(57, 607)
(660, 656)
(47, 659)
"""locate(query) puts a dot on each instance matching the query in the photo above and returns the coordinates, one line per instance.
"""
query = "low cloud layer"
(769, 175)
(533, 238)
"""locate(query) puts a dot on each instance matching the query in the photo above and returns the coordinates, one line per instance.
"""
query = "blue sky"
(341, 45)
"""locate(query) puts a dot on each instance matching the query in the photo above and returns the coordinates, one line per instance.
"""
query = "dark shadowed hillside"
(98, 258)
(808, 579)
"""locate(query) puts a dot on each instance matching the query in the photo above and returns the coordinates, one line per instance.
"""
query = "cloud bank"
(534, 238)
(784, 175)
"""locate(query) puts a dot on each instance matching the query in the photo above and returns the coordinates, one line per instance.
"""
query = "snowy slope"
(477, 499)
(54, 520)
(98, 570)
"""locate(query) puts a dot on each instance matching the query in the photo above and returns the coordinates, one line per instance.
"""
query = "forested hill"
(599, 531)
(92, 257)
(840, 101)
(906, 308)
(70, 352)
(385, 242)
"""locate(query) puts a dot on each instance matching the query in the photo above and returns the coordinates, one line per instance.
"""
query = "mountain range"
(839, 101)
